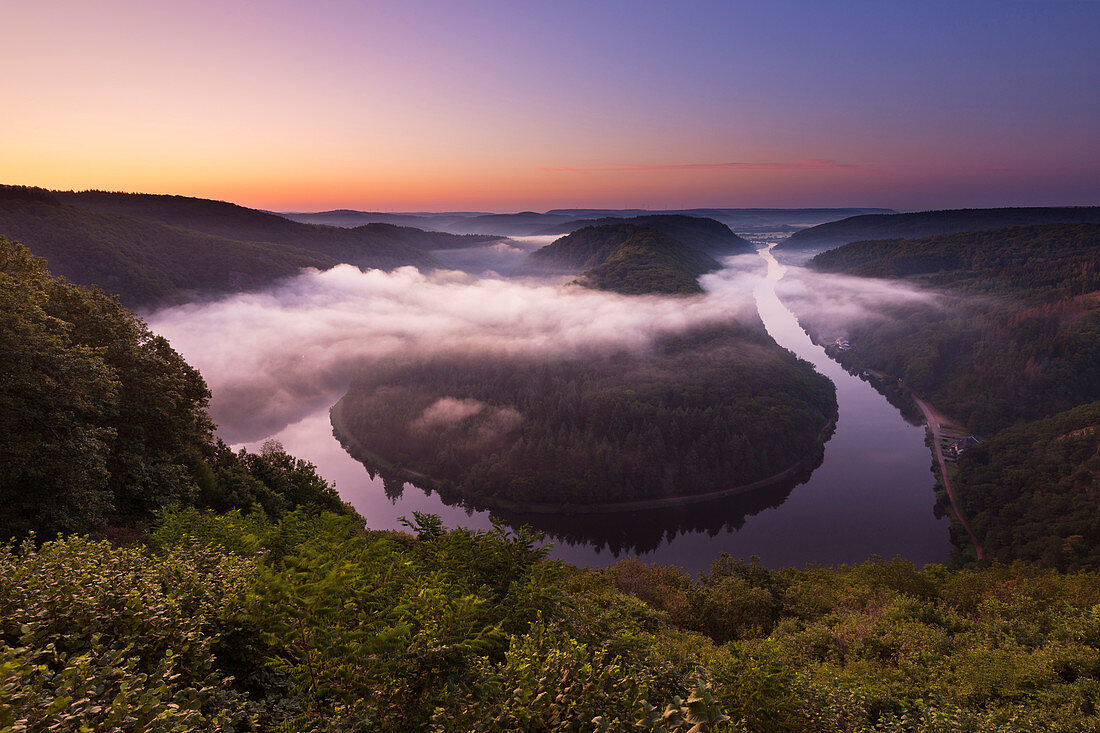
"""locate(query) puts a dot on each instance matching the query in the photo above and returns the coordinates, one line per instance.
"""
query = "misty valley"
(615, 430)
(519, 367)
(628, 382)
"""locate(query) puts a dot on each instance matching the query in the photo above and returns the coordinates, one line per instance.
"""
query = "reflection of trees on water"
(633, 532)
(393, 485)
(645, 531)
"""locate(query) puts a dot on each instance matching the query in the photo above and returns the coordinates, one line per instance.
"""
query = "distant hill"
(741, 221)
(563, 221)
(439, 222)
(708, 235)
(625, 258)
(145, 263)
(383, 246)
(1037, 262)
(931, 223)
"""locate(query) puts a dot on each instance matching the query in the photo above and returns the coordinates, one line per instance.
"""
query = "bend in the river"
(871, 495)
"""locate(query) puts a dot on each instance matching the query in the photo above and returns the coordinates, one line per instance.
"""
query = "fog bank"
(835, 303)
(273, 357)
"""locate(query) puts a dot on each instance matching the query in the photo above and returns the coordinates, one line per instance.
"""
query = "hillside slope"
(700, 412)
(708, 235)
(1032, 492)
(1016, 332)
(563, 221)
(931, 223)
(382, 246)
(1011, 348)
(625, 258)
(1032, 262)
(144, 263)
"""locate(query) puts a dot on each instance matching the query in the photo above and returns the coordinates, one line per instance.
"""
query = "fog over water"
(277, 360)
(271, 358)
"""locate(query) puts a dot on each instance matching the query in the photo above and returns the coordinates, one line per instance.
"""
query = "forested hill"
(1041, 262)
(1011, 349)
(1032, 492)
(703, 411)
(931, 223)
(103, 423)
(373, 245)
(624, 258)
(146, 264)
(563, 221)
(1015, 337)
(708, 235)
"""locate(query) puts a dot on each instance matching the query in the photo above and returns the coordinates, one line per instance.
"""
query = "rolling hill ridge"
(624, 258)
(931, 223)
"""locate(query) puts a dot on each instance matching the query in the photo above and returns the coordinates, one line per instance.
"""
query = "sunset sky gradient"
(503, 106)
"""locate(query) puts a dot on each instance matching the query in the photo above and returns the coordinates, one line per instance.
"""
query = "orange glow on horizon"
(424, 105)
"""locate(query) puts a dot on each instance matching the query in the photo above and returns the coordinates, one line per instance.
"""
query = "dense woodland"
(1014, 339)
(702, 233)
(624, 258)
(164, 250)
(144, 263)
(372, 245)
(1042, 264)
(704, 411)
(1031, 491)
(1000, 347)
(931, 223)
(236, 593)
(102, 422)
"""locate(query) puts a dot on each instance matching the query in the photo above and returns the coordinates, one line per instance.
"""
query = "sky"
(428, 105)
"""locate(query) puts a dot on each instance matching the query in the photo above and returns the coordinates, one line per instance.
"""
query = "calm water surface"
(871, 495)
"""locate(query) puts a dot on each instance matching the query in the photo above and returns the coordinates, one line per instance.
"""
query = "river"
(871, 495)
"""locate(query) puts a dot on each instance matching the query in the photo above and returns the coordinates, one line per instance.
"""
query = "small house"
(957, 448)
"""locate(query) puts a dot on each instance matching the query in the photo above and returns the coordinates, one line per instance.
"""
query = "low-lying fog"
(835, 303)
(494, 258)
(273, 357)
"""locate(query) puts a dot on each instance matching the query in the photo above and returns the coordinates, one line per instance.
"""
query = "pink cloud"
(802, 164)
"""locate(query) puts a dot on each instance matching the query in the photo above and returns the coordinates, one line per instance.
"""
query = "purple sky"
(517, 105)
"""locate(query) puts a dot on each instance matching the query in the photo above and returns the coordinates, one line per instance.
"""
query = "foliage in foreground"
(309, 623)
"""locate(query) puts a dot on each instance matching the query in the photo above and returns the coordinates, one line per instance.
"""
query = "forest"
(157, 580)
(370, 245)
(702, 233)
(624, 258)
(1015, 336)
(144, 263)
(564, 221)
(1011, 349)
(929, 223)
(703, 411)
(1041, 264)
(155, 251)
(102, 423)
(1032, 491)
